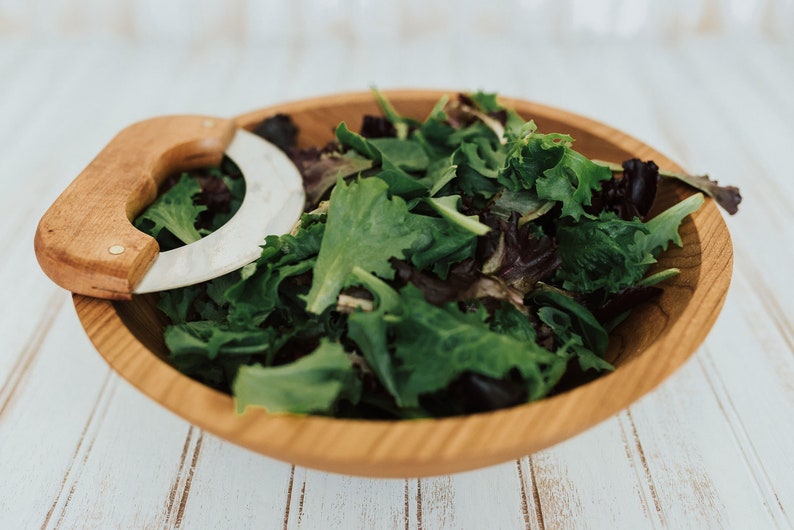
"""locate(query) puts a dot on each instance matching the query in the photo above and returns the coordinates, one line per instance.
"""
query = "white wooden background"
(713, 447)
(378, 21)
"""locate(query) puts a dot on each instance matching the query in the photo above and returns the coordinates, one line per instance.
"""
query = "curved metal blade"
(273, 203)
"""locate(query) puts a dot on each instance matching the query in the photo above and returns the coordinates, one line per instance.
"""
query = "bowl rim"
(428, 447)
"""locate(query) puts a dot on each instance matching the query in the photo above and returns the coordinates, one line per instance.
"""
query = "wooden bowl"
(645, 349)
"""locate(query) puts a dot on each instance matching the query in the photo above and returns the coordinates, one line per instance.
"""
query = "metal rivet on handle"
(208, 123)
(117, 249)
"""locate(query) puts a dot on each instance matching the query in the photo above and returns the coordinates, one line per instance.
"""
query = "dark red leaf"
(630, 195)
(512, 253)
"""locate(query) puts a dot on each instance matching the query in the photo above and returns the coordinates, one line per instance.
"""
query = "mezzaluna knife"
(86, 243)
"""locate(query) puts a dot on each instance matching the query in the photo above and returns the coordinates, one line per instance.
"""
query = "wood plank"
(312, 63)
(256, 81)
(145, 20)
(751, 368)
(136, 439)
(253, 490)
(764, 67)
(34, 299)
(16, 368)
(593, 480)
(696, 465)
(49, 420)
(733, 160)
(759, 127)
(331, 501)
(15, 56)
(485, 498)
(58, 127)
(42, 74)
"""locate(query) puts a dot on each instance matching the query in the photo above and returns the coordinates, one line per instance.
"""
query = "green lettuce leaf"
(212, 338)
(458, 206)
(312, 384)
(402, 184)
(527, 157)
(355, 141)
(397, 157)
(562, 325)
(575, 327)
(434, 345)
(609, 253)
(508, 320)
(525, 203)
(439, 243)
(404, 154)
(178, 303)
(571, 182)
(448, 206)
(548, 164)
(401, 124)
(440, 173)
(175, 211)
(369, 329)
(486, 101)
(478, 161)
(663, 228)
(256, 295)
(602, 253)
(365, 228)
(211, 352)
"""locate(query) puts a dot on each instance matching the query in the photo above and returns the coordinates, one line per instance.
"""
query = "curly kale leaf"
(548, 164)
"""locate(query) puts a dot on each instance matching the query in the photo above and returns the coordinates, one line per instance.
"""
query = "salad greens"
(454, 265)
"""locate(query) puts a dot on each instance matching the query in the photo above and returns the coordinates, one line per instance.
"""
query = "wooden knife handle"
(86, 242)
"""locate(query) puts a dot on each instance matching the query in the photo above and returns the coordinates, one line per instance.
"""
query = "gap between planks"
(535, 494)
(289, 496)
(180, 489)
(301, 500)
(635, 454)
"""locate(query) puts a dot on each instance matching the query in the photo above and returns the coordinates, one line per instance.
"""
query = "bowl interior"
(656, 339)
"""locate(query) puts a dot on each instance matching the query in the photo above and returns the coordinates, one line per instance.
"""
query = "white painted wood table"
(713, 447)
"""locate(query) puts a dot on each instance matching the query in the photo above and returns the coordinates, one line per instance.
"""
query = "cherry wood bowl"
(650, 345)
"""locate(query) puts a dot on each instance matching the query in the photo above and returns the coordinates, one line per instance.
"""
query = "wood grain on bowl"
(650, 345)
